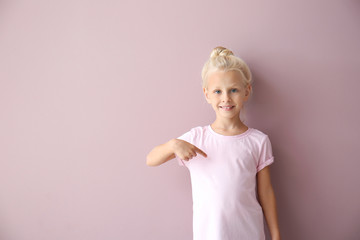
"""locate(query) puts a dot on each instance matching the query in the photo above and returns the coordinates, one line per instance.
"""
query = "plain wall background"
(88, 88)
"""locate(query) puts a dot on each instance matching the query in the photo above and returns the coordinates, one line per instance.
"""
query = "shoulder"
(198, 130)
(258, 135)
(198, 133)
(192, 133)
(262, 142)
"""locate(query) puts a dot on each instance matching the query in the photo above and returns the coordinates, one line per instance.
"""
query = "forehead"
(221, 79)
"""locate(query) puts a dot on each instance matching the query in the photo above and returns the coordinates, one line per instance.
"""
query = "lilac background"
(88, 88)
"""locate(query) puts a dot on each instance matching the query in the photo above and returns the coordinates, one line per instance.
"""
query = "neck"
(228, 124)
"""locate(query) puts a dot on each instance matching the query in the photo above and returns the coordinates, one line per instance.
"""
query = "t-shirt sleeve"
(188, 136)
(266, 156)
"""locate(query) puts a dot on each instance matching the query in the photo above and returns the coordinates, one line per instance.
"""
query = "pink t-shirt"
(225, 206)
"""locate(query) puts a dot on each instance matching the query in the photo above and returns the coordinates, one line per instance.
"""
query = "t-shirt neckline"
(229, 136)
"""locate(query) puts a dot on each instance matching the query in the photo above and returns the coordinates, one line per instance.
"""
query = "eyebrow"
(234, 86)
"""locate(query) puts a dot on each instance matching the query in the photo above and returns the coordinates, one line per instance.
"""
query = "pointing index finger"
(201, 152)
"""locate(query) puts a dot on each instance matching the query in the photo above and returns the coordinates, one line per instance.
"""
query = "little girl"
(227, 160)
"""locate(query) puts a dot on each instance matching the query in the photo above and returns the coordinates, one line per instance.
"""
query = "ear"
(206, 94)
(247, 92)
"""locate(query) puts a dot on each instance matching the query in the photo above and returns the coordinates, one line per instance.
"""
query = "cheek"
(241, 94)
(213, 96)
(238, 98)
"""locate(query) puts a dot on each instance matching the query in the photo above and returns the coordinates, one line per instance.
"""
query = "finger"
(201, 152)
(193, 153)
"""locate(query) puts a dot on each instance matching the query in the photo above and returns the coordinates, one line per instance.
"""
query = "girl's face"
(226, 93)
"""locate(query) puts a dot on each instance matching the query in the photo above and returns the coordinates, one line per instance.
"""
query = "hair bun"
(220, 51)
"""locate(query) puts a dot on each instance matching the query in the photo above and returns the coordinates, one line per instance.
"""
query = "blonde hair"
(222, 59)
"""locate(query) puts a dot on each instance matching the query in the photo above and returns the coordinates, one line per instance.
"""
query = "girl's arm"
(167, 151)
(268, 202)
(161, 154)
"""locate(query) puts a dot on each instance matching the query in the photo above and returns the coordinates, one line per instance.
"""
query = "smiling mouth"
(227, 108)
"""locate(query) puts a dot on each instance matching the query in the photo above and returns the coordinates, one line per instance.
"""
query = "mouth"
(227, 108)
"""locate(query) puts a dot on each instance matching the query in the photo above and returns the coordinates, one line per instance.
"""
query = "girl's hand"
(186, 150)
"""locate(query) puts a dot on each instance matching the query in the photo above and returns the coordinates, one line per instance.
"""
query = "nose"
(225, 97)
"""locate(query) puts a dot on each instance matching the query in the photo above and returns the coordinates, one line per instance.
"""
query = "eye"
(217, 91)
(234, 90)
